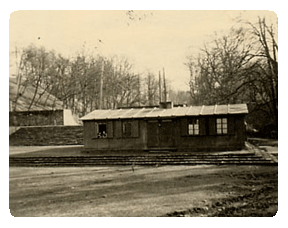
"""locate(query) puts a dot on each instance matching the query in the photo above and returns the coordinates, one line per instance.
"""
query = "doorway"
(160, 134)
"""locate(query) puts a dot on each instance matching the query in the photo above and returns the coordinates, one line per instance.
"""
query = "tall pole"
(101, 84)
(18, 79)
(164, 85)
(160, 90)
(139, 92)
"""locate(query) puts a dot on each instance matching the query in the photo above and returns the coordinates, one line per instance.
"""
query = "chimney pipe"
(166, 105)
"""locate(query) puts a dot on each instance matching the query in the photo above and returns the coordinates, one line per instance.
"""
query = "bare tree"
(76, 81)
(220, 69)
(241, 66)
(152, 89)
(267, 56)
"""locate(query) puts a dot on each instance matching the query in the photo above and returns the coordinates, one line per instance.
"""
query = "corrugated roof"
(173, 112)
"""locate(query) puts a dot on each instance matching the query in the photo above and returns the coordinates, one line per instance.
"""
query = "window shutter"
(231, 125)
(96, 129)
(184, 127)
(135, 128)
(118, 129)
(110, 129)
(212, 130)
(202, 126)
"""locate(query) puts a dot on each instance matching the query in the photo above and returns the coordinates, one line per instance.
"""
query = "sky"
(159, 39)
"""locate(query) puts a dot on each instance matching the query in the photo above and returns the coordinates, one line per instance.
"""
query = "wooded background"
(238, 67)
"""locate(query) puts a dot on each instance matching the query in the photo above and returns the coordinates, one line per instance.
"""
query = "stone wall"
(47, 135)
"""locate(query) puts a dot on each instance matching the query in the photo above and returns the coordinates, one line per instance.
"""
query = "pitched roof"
(45, 102)
(160, 112)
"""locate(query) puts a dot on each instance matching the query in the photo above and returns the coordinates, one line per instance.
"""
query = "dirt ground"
(145, 192)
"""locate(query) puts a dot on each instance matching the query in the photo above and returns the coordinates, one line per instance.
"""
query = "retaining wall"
(47, 135)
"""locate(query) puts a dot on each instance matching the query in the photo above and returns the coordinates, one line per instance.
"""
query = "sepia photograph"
(143, 113)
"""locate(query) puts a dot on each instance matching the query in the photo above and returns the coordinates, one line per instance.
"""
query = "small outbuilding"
(167, 128)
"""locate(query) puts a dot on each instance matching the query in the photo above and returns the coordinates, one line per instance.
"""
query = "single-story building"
(194, 128)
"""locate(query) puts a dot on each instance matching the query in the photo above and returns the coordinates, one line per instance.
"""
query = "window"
(127, 132)
(193, 127)
(126, 129)
(221, 124)
(102, 130)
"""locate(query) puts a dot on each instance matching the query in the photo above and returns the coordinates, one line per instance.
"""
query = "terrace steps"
(143, 160)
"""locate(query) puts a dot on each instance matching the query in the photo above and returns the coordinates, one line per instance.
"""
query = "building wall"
(235, 139)
(206, 140)
(36, 118)
(117, 140)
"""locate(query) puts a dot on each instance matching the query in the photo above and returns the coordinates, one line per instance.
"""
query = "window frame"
(193, 127)
(108, 129)
(221, 126)
(99, 135)
(125, 133)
